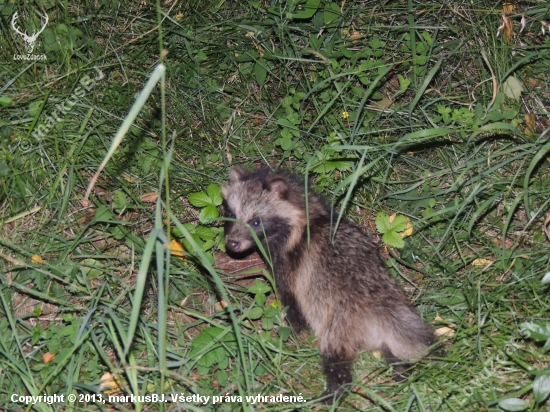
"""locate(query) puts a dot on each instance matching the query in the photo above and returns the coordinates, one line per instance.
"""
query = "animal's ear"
(237, 174)
(279, 186)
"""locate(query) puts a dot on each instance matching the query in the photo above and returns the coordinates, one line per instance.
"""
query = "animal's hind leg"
(338, 372)
(399, 367)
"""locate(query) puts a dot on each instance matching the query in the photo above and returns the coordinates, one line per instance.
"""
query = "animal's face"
(259, 204)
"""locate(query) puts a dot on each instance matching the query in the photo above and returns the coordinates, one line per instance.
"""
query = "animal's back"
(351, 302)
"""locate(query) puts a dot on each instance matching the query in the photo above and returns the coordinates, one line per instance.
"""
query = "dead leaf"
(128, 178)
(48, 357)
(444, 331)
(482, 262)
(150, 197)
(221, 305)
(385, 103)
(506, 28)
(507, 8)
(530, 122)
(355, 36)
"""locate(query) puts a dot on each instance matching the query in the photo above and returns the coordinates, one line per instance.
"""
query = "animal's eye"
(256, 222)
(230, 214)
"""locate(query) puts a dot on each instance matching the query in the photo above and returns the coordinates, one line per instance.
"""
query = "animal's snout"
(233, 245)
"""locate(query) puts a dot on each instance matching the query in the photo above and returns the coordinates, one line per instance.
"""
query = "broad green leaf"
(201, 56)
(205, 232)
(260, 299)
(393, 239)
(513, 404)
(222, 377)
(286, 123)
(285, 142)
(541, 386)
(512, 88)
(208, 214)
(272, 311)
(398, 224)
(535, 332)
(403, 83)
(119, 199)
(284, 332)
(258, 287)
(255, 313)
(200, 199)
(5, 101)
(420, 135)
(215, 194)
(260, 72)
(382, 222)
(267, 324)
(331, 13)
(495, 127)
(34, 108)
(105, 215)
(375, 43)
(308, 10)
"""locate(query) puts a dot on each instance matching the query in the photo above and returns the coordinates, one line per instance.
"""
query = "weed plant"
(437, 112)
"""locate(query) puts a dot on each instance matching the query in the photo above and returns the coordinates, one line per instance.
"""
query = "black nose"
(234, 245)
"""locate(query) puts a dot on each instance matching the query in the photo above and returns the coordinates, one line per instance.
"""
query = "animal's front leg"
(338, 372)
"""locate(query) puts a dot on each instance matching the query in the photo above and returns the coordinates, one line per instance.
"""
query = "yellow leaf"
(37, 259)
(48, 357)
(409, 230)
(109, 384)
(377, 354)
(176, 249)
(482, 262)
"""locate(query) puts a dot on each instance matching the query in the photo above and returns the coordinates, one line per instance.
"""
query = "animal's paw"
(331, 395)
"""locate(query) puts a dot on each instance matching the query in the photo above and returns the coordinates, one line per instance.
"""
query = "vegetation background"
(435, 111)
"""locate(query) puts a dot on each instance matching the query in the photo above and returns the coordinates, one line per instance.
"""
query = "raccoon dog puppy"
(342, 291)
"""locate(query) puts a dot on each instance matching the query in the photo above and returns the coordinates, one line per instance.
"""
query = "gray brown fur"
(342, 291)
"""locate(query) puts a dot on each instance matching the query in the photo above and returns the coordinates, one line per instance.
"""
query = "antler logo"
(29, 40)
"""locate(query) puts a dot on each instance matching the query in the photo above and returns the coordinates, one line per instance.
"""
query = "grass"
(394, 107)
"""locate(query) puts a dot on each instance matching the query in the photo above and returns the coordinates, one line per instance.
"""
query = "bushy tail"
(410, 337)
